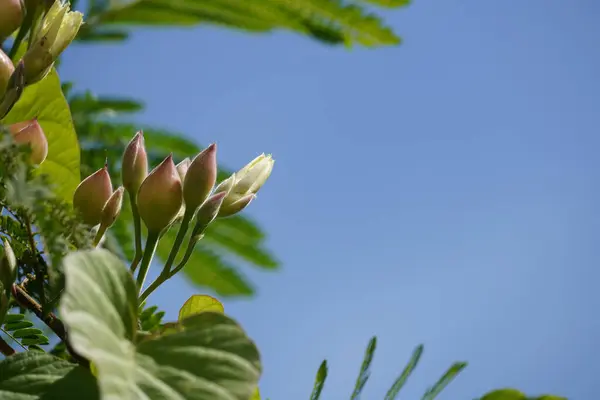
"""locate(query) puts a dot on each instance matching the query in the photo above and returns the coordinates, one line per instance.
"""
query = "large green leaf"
(331, 21)
(38, 375)
(205, 357)
(45, 101)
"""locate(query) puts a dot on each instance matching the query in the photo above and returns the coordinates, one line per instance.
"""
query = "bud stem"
(165, 274)
(99, 235)
(137, 227)
(151, 243)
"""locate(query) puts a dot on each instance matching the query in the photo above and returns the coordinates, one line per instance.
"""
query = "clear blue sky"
(444, 192)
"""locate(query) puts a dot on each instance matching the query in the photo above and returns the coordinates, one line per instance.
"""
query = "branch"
(5, 348)
(51, 320)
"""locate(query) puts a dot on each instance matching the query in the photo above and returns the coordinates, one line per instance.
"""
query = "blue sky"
(444, 192)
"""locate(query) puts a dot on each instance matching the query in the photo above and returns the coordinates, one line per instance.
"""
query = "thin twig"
(13, 338)
(5, 348)
(51, 320)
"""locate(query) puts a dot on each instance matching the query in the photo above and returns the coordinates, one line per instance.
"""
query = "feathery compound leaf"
(330, 21)
(364, 373)
(450, 374)
(401, 380)
(319, 381)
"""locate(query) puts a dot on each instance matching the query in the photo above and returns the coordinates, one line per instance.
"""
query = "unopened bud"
(160, 196)
(182, 168)
(134, 168)
(200, 178)
(233, 204)
(210, 209)
(112, 208)
(11, 17)
(31, 133)
(91, 195)
(8, 265)
(241, 187)
(56, 31)
(6, 70)
(14, 89)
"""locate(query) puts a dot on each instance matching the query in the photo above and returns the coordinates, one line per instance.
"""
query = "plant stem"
(13, 338)
(151, 243)
(137, 226)
(57, 326)
(99, 235)
(164, 275)
(6, 349)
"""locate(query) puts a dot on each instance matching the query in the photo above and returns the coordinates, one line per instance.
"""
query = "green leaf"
(199, 303)
(38, 375)
(45, 101)
(255, 395)
(331, 21)
(206, 356)
(408, 370)
(363, 375)
(505, 394)
(319, 381)
(450, 374)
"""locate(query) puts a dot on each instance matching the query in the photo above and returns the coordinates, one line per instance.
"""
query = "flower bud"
(6, 70)
(8, 266)
(112, 208)
(91, 195)
(241, 187)
(134, 168)
(56, 31)
(182, 168)
(11, 17)
(235, 203)
(210, 209)
(31, 133)
(160, 196)
(200, 178)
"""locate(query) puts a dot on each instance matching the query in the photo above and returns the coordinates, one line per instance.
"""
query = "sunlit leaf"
(319, 381)
(199, 303)
(45, 101)
(441, 384)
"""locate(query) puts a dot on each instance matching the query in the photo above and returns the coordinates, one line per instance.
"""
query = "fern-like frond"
(330, 21)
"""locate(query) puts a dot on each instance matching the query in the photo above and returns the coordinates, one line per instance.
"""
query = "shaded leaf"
(38, 375)
(45, 101)
(199, 303)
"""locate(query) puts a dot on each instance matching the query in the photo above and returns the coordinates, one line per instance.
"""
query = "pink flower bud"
(6, 70)
(210, 209)
(91, 195)
(160, 196)
(235, 203)
(134, 168)
(11, 17)
(182, 168)
(112, 208)
(200, 178)
(31, 133)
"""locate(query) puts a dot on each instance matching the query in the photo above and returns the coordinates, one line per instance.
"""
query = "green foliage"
(363, 375)
(408, 369)
(44, 101)
(513, 394)
(22, 331)
(102, 137)
(319, 381)
(329, 21)
(206, 356)
(151, 319)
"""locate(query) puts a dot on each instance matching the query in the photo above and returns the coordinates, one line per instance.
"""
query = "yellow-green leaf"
(504, 394)
(256, 395)
(45, 101)
(199, 303)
